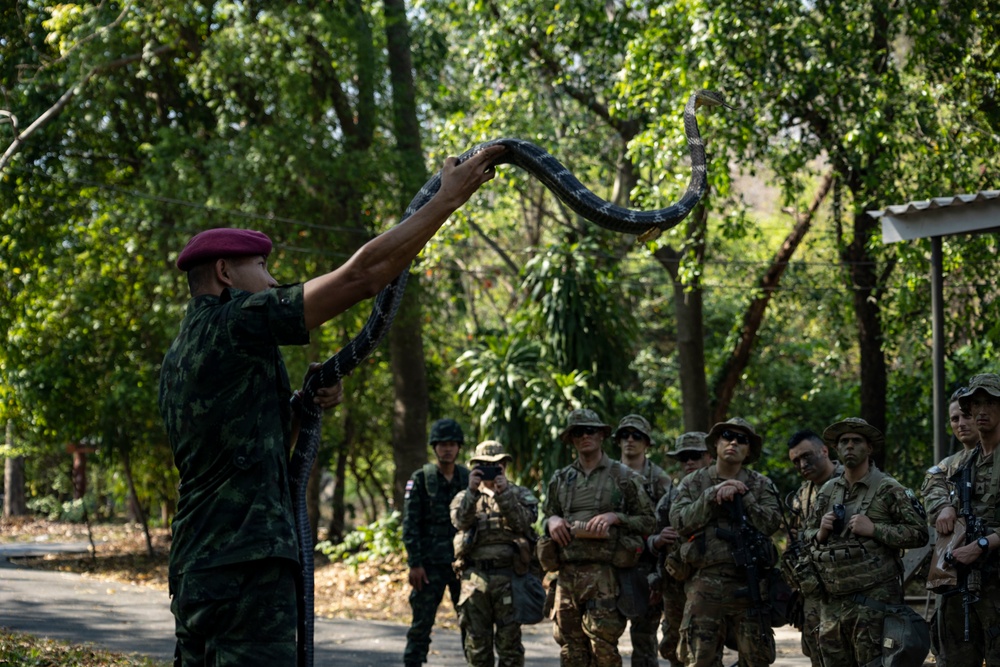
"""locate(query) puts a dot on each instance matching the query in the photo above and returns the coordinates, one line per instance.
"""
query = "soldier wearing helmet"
(596, 514)
(496, 537)
(428, 535)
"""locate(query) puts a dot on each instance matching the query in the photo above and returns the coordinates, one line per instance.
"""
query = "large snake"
(540, 164)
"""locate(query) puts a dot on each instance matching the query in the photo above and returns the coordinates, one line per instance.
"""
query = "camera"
(488, 473)
(839, 516)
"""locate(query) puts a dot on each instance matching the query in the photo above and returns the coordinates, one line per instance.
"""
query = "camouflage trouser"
(810, 629)
(948, 629)
(673, 613)
(424, 604)
(850, 633)
(588, 623)
(642, 630)
(486, 614)
(714, 610)
(242, 614)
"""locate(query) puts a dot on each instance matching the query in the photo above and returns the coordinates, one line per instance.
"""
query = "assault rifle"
(751, 550)
(969, 576)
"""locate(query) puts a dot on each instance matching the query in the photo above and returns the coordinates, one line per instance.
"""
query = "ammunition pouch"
(849, 568)
(628, 551)
(676, 567)
(548, 553)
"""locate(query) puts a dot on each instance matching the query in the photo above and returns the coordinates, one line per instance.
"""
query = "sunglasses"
(631, 433)
(736, 436)
(687, 457)
(580, 431)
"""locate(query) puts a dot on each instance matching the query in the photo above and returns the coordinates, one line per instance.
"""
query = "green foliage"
(24, 650)
(376, 541)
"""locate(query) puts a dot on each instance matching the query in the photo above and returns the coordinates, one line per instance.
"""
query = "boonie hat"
(692, 441)
(446, 430)
(583, 417)
(638, 422)
(743, 426)
(988, 382)
(222, 242)
(490, 451)
(854, 425)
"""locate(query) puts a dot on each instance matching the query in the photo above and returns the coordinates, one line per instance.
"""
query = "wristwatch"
(984, 544)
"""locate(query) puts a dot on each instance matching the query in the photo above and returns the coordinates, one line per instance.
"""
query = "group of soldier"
(626, 546)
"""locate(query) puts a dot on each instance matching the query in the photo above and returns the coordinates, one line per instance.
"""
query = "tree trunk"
(688, 310)
(866, 283)
(753, 318)
(134, 499)
(406, 345)
(14, 503)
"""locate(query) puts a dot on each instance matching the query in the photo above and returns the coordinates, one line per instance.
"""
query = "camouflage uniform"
(428, 537)
(234, 524)
(714, 607)
(984, 629)
(491, 529)
(588, 621)
(657, 484)
(801, 505)
(850, 565)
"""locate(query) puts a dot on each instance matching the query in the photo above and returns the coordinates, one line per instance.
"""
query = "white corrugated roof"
(937, 202)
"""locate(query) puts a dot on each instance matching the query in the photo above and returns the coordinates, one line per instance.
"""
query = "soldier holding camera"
(858, 526)
(495, 540)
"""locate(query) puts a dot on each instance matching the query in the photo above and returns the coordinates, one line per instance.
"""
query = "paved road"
(136, 619)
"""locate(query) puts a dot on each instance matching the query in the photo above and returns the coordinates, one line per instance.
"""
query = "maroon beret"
(222, 242)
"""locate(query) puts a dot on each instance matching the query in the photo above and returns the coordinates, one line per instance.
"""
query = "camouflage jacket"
(489, 525)
(936, 489)
(986, 489)
(804, 500)
(899, 518)
(696, 516)
(427, 528)
(224, 397)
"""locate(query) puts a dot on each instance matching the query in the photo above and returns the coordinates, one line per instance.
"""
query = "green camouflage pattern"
(427, 530)
(802, 503)
(936, 490)
(490, 525)
(588, 622)
(428, 537)
(642, 630)
(424, 604)
(850, 633)
(712, 609)
(224, 398)
(242, 615)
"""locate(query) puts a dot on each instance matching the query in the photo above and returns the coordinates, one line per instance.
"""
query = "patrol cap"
(744, 427)
(692, 441)
(854, 425)
(638, 422)
(988, 382)
(446, 430)
(583, 417)
(222, 242)
(490, 451)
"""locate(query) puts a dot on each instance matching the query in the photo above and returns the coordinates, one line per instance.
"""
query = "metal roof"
(937, 202)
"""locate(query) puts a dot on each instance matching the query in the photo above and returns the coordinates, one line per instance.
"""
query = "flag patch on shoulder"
(409, 487)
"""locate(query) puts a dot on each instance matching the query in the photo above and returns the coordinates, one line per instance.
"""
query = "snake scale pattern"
(540, 164)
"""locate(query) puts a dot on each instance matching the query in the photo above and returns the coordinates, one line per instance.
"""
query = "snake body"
(540, 164)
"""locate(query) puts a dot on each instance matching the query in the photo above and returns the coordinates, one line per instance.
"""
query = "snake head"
(710, 98)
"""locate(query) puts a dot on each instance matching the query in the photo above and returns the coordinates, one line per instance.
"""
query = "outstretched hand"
(460, 180)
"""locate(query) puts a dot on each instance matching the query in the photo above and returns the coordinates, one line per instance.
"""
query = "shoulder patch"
(917, 506)
(935, 470)
(409, 487)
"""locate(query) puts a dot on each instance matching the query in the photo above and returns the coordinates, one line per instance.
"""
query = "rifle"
(969, 576)
(751, 550)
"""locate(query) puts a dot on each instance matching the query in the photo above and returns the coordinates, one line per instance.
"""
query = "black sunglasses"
(631, 433)
(686, 457)
(736, 436)
(580, 431)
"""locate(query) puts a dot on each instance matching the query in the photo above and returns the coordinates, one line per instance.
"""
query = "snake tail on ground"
(539, 163)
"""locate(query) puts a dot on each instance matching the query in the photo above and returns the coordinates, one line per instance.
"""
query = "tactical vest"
(438, 531)
(859, 563)
(613, 482)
